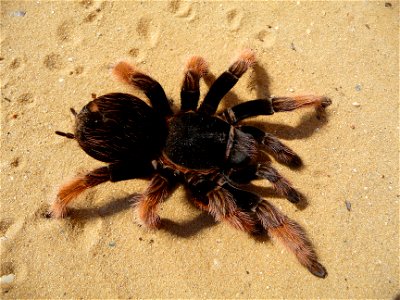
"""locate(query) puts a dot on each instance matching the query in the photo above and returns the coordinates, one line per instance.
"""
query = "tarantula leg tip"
(197, 64)
(294, 196)
(318, 270)
(123, 71)
(295, 162)
(326, 102)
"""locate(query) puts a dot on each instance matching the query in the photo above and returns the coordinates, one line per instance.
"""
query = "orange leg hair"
(69, 191)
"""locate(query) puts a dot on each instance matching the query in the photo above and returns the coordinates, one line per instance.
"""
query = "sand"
(54, 55)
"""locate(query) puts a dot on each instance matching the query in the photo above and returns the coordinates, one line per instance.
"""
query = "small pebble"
(348, 205)
(18, 13)
(5, 279)
(358, 87)
(112, 244)
(356, 104)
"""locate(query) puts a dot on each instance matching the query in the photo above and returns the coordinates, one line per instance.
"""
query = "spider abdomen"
(197, 141)
(120, 127)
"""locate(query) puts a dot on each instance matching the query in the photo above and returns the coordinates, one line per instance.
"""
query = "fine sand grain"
(54, 55)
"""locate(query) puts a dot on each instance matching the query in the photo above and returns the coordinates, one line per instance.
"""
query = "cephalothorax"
(211, 154)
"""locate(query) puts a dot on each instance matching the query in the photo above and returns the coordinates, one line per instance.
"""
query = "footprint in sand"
(266, 37)
(147, 31)
(181, 9)
(53, 61)
(234, 19)
(17, 64)
(11, 273)
(95, 14)
(65, 31)
(83, 226)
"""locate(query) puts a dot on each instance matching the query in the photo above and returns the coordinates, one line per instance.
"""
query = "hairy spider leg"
(248, 109)
(264, 170)
(269, 106)
(279, 226)
(280, 104)
(245, 210)
(196, 67)
(80, 183)
(291, 235)
(158, 190)
(72, 189)
(274, 146)
(152, 89)
(226, 81)
(208, 195)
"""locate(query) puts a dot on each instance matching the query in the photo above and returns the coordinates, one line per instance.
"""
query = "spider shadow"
(188, 228)
(115, 206)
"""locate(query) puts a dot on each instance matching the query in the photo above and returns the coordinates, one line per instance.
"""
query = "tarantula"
(211, 154)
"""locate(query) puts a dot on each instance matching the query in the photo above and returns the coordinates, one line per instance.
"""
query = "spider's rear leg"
(264, 170)
(153, 90)
(72, 189)
(196, 68)
(80, 183)
(226, 81)
(157, 192)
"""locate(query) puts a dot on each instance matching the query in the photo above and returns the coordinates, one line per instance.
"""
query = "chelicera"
(211, 154)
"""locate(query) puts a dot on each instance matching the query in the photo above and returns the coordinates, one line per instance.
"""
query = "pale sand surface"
(58, 53)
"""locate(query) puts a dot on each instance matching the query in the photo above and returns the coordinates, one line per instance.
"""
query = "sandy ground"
(55, 54)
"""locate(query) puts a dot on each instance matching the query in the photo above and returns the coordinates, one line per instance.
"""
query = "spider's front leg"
(157, 191)
(274, 146)
(196, 68)
(226, 81)
(269, 106)
(265, 171)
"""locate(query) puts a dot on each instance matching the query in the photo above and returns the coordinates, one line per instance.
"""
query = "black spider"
(211, 155)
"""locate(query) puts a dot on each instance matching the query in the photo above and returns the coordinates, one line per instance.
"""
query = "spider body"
(199, 141)
(211, 154)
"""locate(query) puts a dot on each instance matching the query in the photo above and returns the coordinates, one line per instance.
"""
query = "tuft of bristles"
(197, 65)
(248, 56)
(245, 60)
(123, 71)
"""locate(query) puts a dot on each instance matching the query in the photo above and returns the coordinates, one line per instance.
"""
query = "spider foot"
(317, 270)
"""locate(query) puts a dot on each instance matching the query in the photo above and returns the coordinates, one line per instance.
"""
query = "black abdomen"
(197, 141)
(120, 127)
